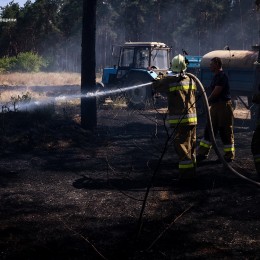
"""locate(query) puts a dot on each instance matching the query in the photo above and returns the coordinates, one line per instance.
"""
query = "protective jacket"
(181, 93)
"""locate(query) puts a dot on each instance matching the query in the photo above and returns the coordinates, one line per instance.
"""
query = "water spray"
(50, 100)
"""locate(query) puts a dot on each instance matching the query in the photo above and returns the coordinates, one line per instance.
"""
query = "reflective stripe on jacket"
(229, 148)
(205, 143)
(182, 87)
(177, 119)
(186, 164)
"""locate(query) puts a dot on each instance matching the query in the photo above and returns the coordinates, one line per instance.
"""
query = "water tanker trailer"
(242, 68)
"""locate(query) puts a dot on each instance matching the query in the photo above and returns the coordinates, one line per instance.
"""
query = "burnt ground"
(67, 193)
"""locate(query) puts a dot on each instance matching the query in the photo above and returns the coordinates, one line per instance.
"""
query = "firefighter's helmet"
(178, 64)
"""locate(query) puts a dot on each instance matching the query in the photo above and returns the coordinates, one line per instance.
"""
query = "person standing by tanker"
(181, 90)
(221, 112)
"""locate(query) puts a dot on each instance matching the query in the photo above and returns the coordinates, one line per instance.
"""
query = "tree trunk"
(88, 65)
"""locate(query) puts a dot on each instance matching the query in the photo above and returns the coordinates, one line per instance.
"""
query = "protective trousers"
(222, 123)
(185, 147)
(255, 148)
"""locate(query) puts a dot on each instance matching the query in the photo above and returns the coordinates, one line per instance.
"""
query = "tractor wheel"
(141, 97)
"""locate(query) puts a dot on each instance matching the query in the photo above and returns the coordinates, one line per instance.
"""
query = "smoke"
(239, 28)
(195, 28)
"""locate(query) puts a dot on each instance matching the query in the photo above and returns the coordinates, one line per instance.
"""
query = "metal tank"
(243, 70)
(239, 65)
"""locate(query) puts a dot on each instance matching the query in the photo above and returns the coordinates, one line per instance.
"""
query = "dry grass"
(17, 84)
(37, 84)
(39, 79)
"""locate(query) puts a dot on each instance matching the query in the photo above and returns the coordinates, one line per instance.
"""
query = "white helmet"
(178, 64)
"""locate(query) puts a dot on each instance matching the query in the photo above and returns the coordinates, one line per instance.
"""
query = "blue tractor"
(138, 63)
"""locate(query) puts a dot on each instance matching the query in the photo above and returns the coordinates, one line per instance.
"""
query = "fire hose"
(212, 136)
(211, 132)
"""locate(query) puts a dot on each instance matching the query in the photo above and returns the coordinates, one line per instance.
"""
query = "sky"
(20, 2)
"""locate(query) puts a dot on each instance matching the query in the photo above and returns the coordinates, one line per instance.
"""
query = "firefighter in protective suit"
(255, 143)
(182, 117)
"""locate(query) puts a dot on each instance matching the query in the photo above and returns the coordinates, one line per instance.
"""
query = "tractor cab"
(143, 55)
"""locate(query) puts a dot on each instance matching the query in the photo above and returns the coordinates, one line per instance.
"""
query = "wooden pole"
(88, 65)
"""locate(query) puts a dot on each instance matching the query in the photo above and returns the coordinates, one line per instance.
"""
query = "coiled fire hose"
(212, 136)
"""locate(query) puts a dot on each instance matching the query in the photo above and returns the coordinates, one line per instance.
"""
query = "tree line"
(53, 28)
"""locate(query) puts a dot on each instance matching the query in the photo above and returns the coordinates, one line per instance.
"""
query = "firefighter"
(221, 112)
(255, 143)
(180, 90)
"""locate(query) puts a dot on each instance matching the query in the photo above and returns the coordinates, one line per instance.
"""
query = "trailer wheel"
(200, 106)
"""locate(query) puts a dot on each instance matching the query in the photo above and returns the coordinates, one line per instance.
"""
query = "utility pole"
(88, 65)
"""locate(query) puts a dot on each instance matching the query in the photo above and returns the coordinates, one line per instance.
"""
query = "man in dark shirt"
(221, 112)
